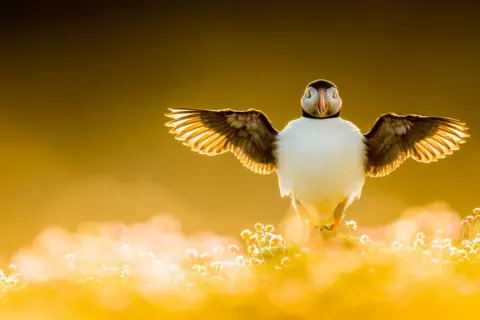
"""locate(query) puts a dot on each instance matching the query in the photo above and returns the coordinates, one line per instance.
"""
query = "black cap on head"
(321, 84)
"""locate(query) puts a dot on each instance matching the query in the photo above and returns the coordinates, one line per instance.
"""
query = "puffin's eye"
(307, 93)
(334, 94)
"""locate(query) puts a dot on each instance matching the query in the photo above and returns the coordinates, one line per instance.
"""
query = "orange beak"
(322, 107)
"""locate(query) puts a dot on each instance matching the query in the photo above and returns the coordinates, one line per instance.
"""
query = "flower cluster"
(152, 263)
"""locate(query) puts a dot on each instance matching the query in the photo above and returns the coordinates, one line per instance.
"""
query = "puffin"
(321, 160)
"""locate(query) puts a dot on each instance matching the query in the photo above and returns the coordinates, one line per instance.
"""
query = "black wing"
(249, 135)
(395, 138)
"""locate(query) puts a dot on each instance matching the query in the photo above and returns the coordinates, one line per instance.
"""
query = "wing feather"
(249, 135)
(395, 138)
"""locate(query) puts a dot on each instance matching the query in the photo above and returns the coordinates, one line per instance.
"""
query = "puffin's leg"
(339, 213)
(302, 213)
(300, 232)
(296, 204)
(299, 209)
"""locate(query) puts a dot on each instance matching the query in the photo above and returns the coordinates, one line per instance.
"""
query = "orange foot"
(336, 224)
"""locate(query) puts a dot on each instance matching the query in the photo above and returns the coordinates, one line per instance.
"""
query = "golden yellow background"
(83, 90)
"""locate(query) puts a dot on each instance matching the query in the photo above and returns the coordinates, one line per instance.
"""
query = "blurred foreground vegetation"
(152, 271)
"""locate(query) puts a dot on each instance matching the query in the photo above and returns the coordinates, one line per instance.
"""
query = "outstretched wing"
(395, 138)
(249, 135)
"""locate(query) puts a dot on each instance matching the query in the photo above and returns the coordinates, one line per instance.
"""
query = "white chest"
(321, 160)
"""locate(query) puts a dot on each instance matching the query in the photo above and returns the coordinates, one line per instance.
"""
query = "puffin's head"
(321, 99)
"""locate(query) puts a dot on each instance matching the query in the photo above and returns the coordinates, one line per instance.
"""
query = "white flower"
(351, 225)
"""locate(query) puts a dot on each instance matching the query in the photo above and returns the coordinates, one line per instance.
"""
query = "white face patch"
(310, 97)
(332, 93)
(334, 100)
